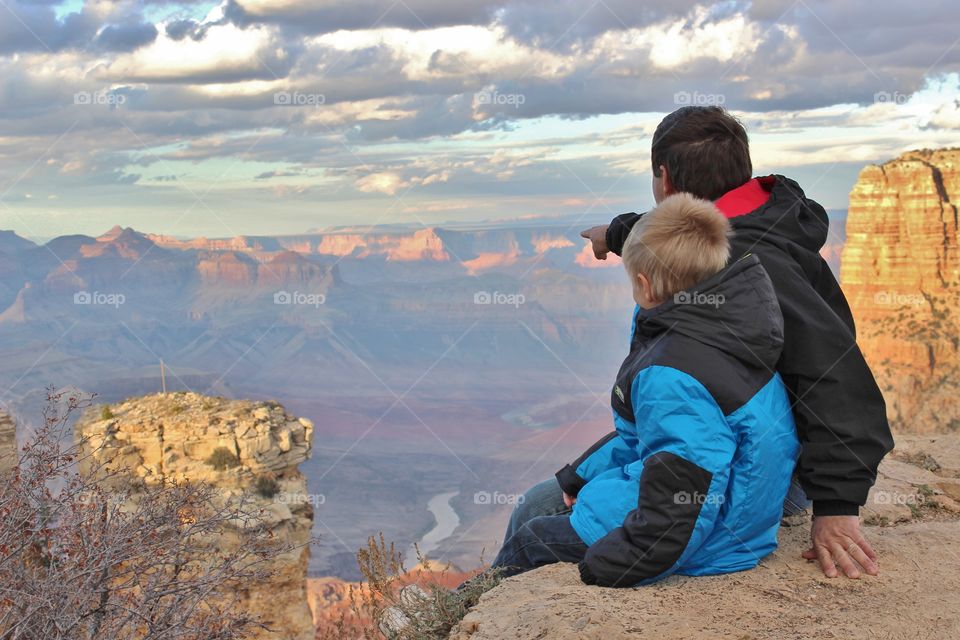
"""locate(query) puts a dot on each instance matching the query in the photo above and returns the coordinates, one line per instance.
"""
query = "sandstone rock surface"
(174, 436)
(8, 443)
(785, 598)
(900, 270)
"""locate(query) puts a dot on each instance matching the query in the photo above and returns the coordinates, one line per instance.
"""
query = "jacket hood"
(735, 311)
(787, 214)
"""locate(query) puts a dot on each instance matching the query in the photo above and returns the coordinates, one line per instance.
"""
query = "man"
(838, 409)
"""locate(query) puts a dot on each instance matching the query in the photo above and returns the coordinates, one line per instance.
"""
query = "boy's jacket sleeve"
(609, 452)
(839, 410)
(688, 449)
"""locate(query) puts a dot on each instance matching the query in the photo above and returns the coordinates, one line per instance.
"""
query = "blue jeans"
(539, 541)
(544, 501)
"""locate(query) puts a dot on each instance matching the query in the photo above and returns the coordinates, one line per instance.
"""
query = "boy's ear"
(645, 288)
(668, 189)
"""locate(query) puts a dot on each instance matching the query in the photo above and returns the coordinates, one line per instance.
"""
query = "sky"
(282, 116)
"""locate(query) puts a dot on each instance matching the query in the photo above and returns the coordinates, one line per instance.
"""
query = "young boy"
(837, 406)
(694, 477)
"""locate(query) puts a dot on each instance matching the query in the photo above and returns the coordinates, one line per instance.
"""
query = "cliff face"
(173, 437)
(8, 443)
(901, 273)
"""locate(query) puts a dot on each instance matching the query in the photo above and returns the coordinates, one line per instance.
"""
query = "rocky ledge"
(246, 450)
(915, 530)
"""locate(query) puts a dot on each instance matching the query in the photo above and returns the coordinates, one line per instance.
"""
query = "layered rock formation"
(901, 273)
(238, 447)
(8, 443)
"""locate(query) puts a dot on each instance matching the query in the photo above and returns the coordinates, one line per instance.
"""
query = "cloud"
(98, 26)
(326, 16)
(125, 37)
(499, 98)
(226, 54)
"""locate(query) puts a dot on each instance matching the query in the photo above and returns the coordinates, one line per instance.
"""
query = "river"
(447, 522)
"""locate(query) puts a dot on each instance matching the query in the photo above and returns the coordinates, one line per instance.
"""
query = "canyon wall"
(8, 443)
(174, 436)
(901, 273)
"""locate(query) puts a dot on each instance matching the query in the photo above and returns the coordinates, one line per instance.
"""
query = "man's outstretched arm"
(605, 238)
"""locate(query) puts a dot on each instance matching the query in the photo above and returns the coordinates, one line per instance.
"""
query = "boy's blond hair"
(681, 242)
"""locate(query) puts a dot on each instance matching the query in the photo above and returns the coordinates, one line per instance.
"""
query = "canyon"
(399, 344)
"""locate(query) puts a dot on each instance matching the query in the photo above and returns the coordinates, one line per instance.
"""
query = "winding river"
(447, 522)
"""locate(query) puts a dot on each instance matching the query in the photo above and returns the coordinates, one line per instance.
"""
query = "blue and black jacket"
(694, 477)
(840, 413)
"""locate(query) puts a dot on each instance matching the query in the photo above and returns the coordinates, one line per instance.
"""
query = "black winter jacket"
(838, 408)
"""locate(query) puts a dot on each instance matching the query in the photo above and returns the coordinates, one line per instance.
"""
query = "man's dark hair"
(705, 151)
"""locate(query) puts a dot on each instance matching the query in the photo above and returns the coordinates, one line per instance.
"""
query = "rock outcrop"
(180, 436)
(784, 598)
(8, 443)
(900, 271)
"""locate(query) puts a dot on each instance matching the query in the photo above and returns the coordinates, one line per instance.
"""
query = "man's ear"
(668, 189)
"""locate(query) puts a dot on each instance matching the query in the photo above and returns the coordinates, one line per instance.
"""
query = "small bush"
(222, 459)
(106, 413)
(432, 616)
(266, 487)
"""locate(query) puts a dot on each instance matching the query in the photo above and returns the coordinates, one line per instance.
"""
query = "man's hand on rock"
(837, 541)
(598, 238)
(568, 500)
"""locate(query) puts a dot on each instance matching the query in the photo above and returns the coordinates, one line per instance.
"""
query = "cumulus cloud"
(443, 98)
